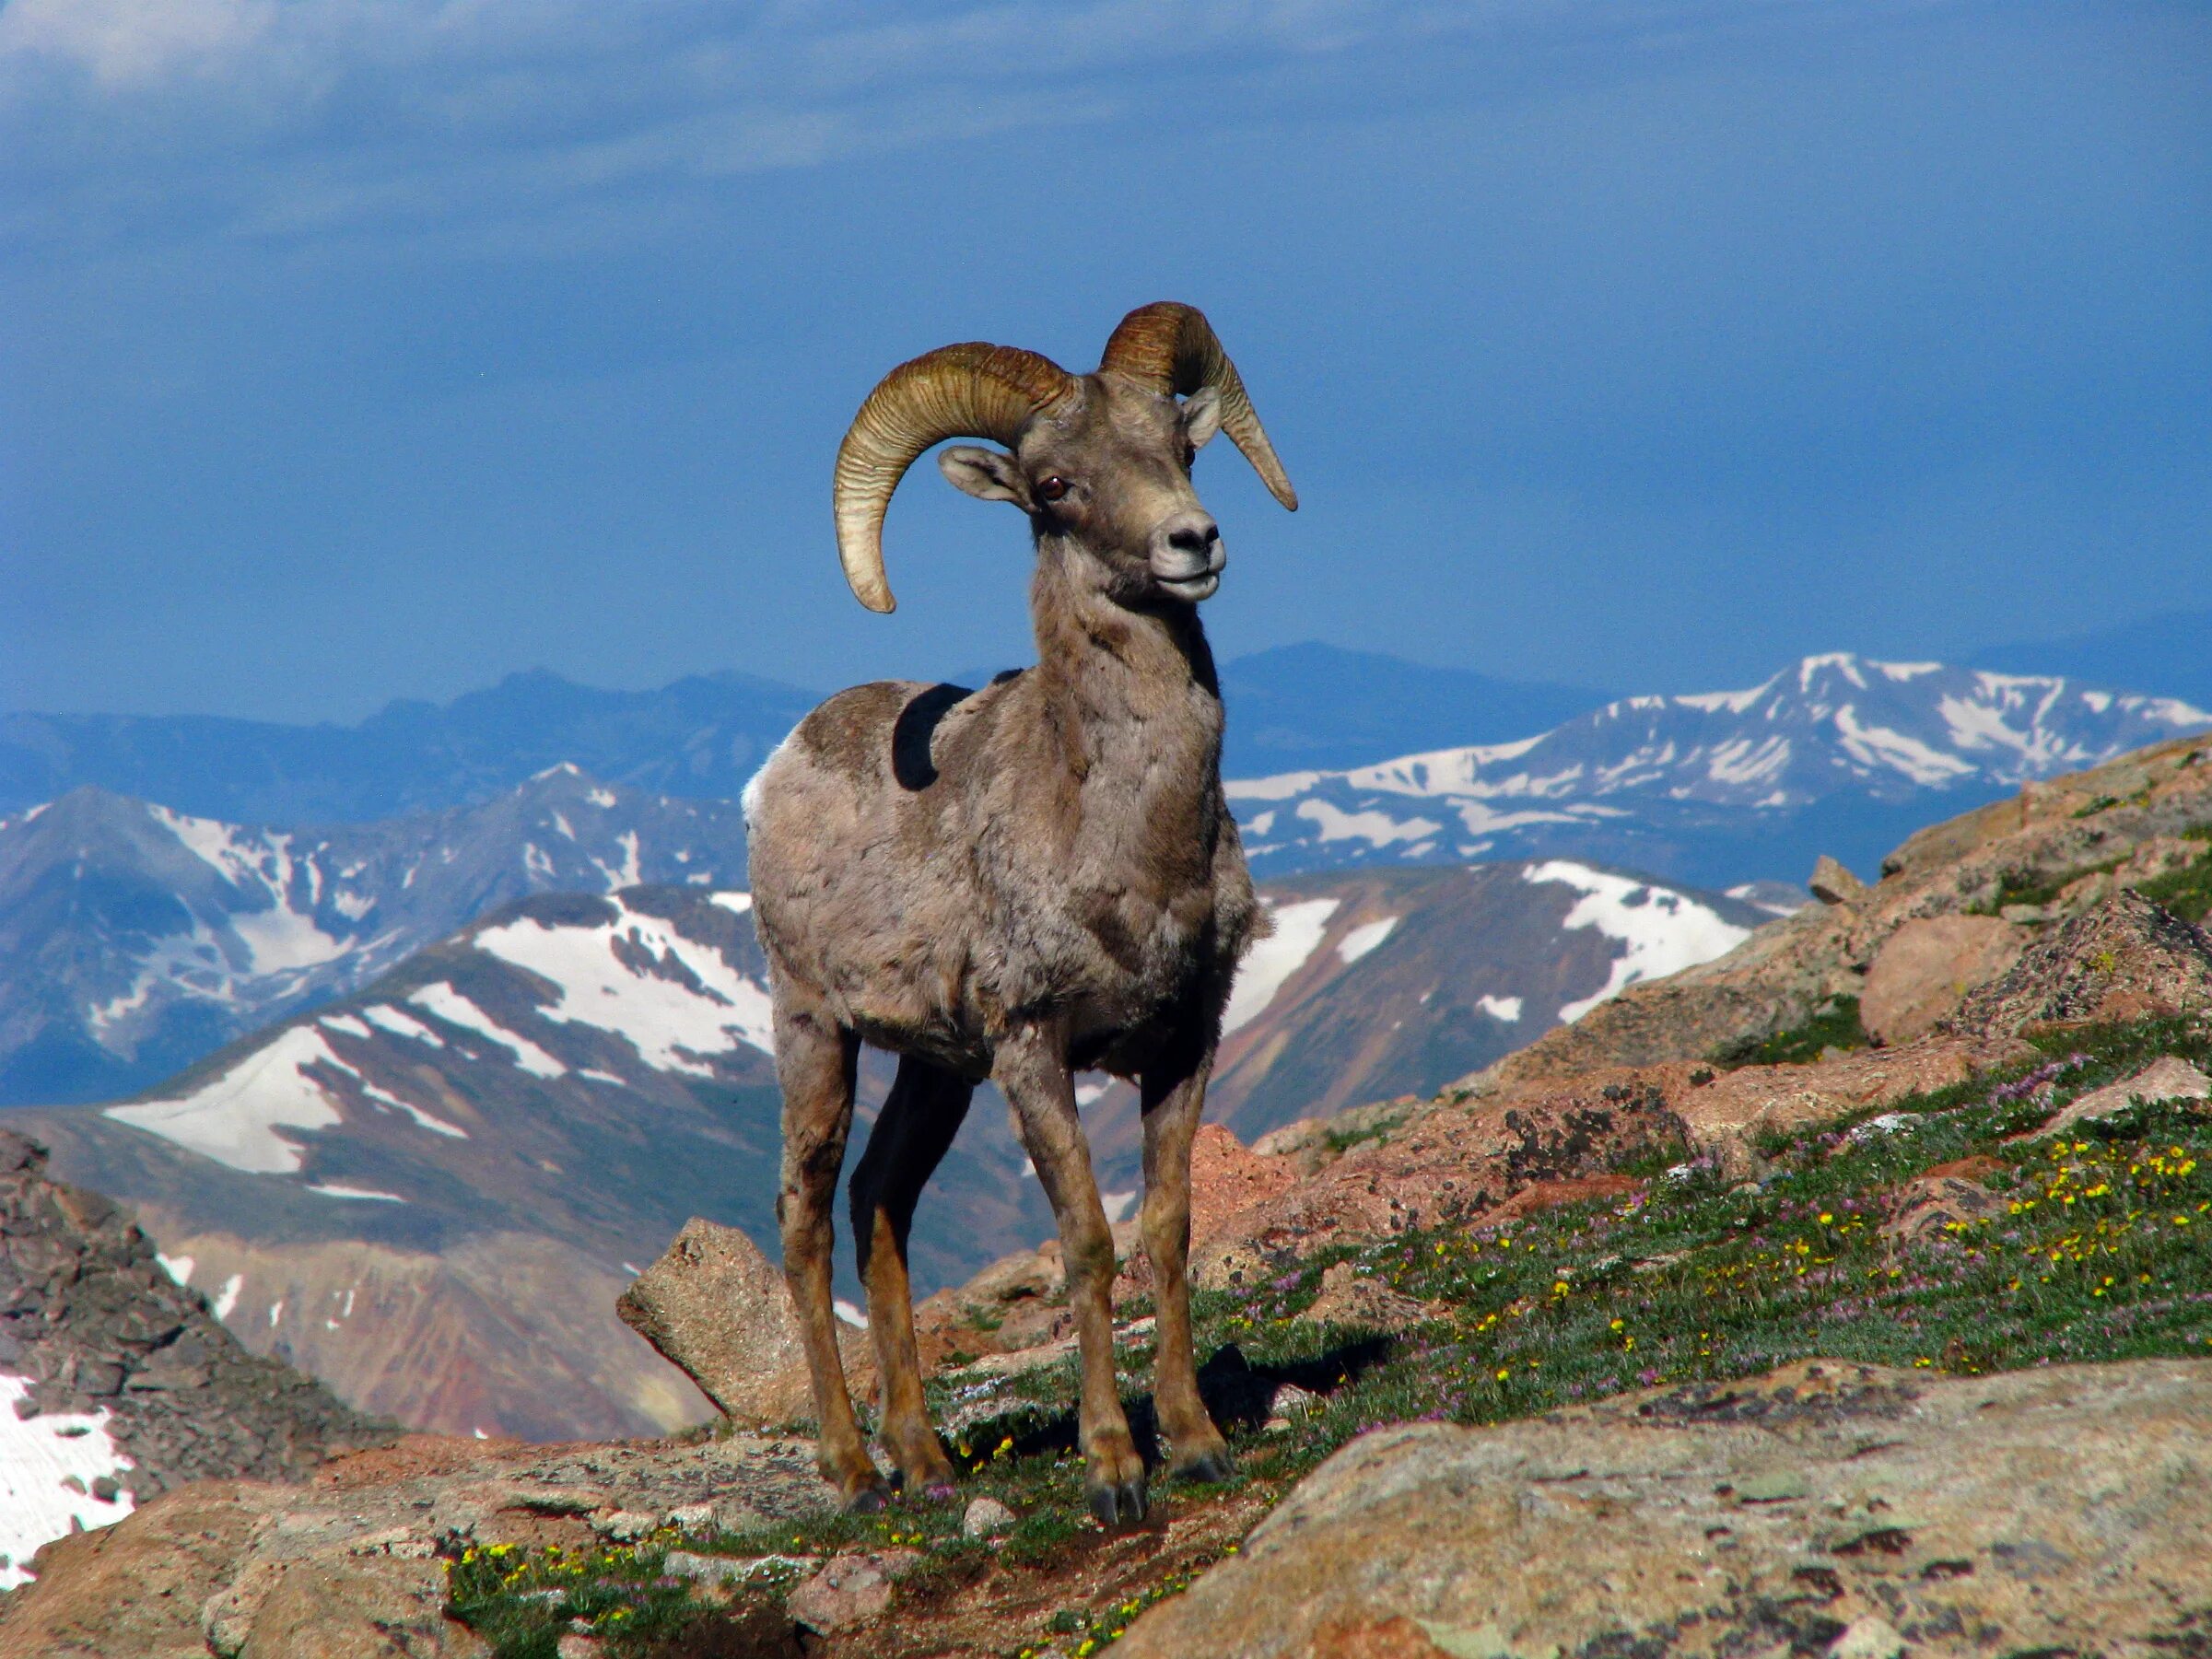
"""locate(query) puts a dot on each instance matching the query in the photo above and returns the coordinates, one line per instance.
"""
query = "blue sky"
(376, 347)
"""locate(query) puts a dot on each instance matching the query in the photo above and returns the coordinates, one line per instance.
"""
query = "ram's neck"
(1130, 694)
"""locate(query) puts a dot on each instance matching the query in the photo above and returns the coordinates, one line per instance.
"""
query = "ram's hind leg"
(815, 1060)
(919, 1119)
(1174, 1097)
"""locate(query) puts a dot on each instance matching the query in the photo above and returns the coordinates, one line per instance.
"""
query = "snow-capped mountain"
(134, 939)
(430, 1192)
(1838, 753)
(468, 1156)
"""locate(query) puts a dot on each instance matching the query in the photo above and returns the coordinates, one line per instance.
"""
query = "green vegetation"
(2098, 1247)
(1834, 1025)
(2186, 891)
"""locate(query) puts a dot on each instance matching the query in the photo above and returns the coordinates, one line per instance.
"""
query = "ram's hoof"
(1214, 1467)
(866, 1499)
(1121, 1505)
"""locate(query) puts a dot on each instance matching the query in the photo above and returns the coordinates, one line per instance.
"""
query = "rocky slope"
(136, 940)
(1827, 1508)
(117, 1383)
(1836, 754)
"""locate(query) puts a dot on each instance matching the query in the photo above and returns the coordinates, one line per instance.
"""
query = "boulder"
(1825, 1508)
(1925, 969)
(716, 1308)
(1833, 884)
(1347, 1297)
(2166, 1078)
(850, 1590)
(2124, 958)
(1938, 1204)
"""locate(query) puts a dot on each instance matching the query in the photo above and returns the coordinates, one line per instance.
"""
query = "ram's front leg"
(1032, 1071)
(1174, 1097)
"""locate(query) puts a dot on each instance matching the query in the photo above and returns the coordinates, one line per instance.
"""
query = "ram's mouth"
(1191, 589)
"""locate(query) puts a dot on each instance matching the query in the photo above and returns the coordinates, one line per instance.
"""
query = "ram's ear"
(1201, 417)
(987, 474)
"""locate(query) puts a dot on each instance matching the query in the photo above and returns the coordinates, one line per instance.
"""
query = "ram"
(1021, 881)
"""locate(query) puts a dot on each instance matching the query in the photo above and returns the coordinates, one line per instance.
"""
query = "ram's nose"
(1187, 546)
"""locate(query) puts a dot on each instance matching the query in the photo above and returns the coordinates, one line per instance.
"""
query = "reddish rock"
(1925, 968)
(1396, 1637)
(849, 1591)
(1349, 1298)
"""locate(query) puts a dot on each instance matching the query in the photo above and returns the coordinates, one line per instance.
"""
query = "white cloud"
(297, 120)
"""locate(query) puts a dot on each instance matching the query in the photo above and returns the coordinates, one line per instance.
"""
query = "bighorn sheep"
(1019, 881)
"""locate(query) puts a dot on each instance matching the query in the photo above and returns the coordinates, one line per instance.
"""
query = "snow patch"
(1118, 1204)
(1377, 829)
(38, 1455)
(1363, 939)
(1268, 964)
(345, 1024)
(737, 903)
(1507, 1009)
(179, 1267)
(400, 1024)
(227, 1298)
(454, 1009)
(686, 1004)
(1665, 932)
(234, 1119)
(330, 1189)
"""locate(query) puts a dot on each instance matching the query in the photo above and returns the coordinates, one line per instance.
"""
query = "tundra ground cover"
(2096, 1244)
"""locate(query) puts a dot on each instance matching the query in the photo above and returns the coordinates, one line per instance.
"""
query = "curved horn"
(1172, 348)
(969, 391)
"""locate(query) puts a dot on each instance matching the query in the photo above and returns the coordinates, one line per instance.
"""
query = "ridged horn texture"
(1173, 349)
(968, 391)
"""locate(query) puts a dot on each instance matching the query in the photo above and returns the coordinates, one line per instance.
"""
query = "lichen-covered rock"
(347, 1564)
(2062, 1510)
(2122, 959)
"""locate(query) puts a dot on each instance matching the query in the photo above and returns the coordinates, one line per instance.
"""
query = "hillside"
(136, 940)
(1835, 755)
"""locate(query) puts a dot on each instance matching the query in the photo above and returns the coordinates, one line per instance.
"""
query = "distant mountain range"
(2167, 654)
(699, 737)
(134, 939)
(429, 1191)
(1836, 754)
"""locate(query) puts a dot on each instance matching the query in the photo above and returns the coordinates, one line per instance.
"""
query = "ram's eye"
(1053, 488)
